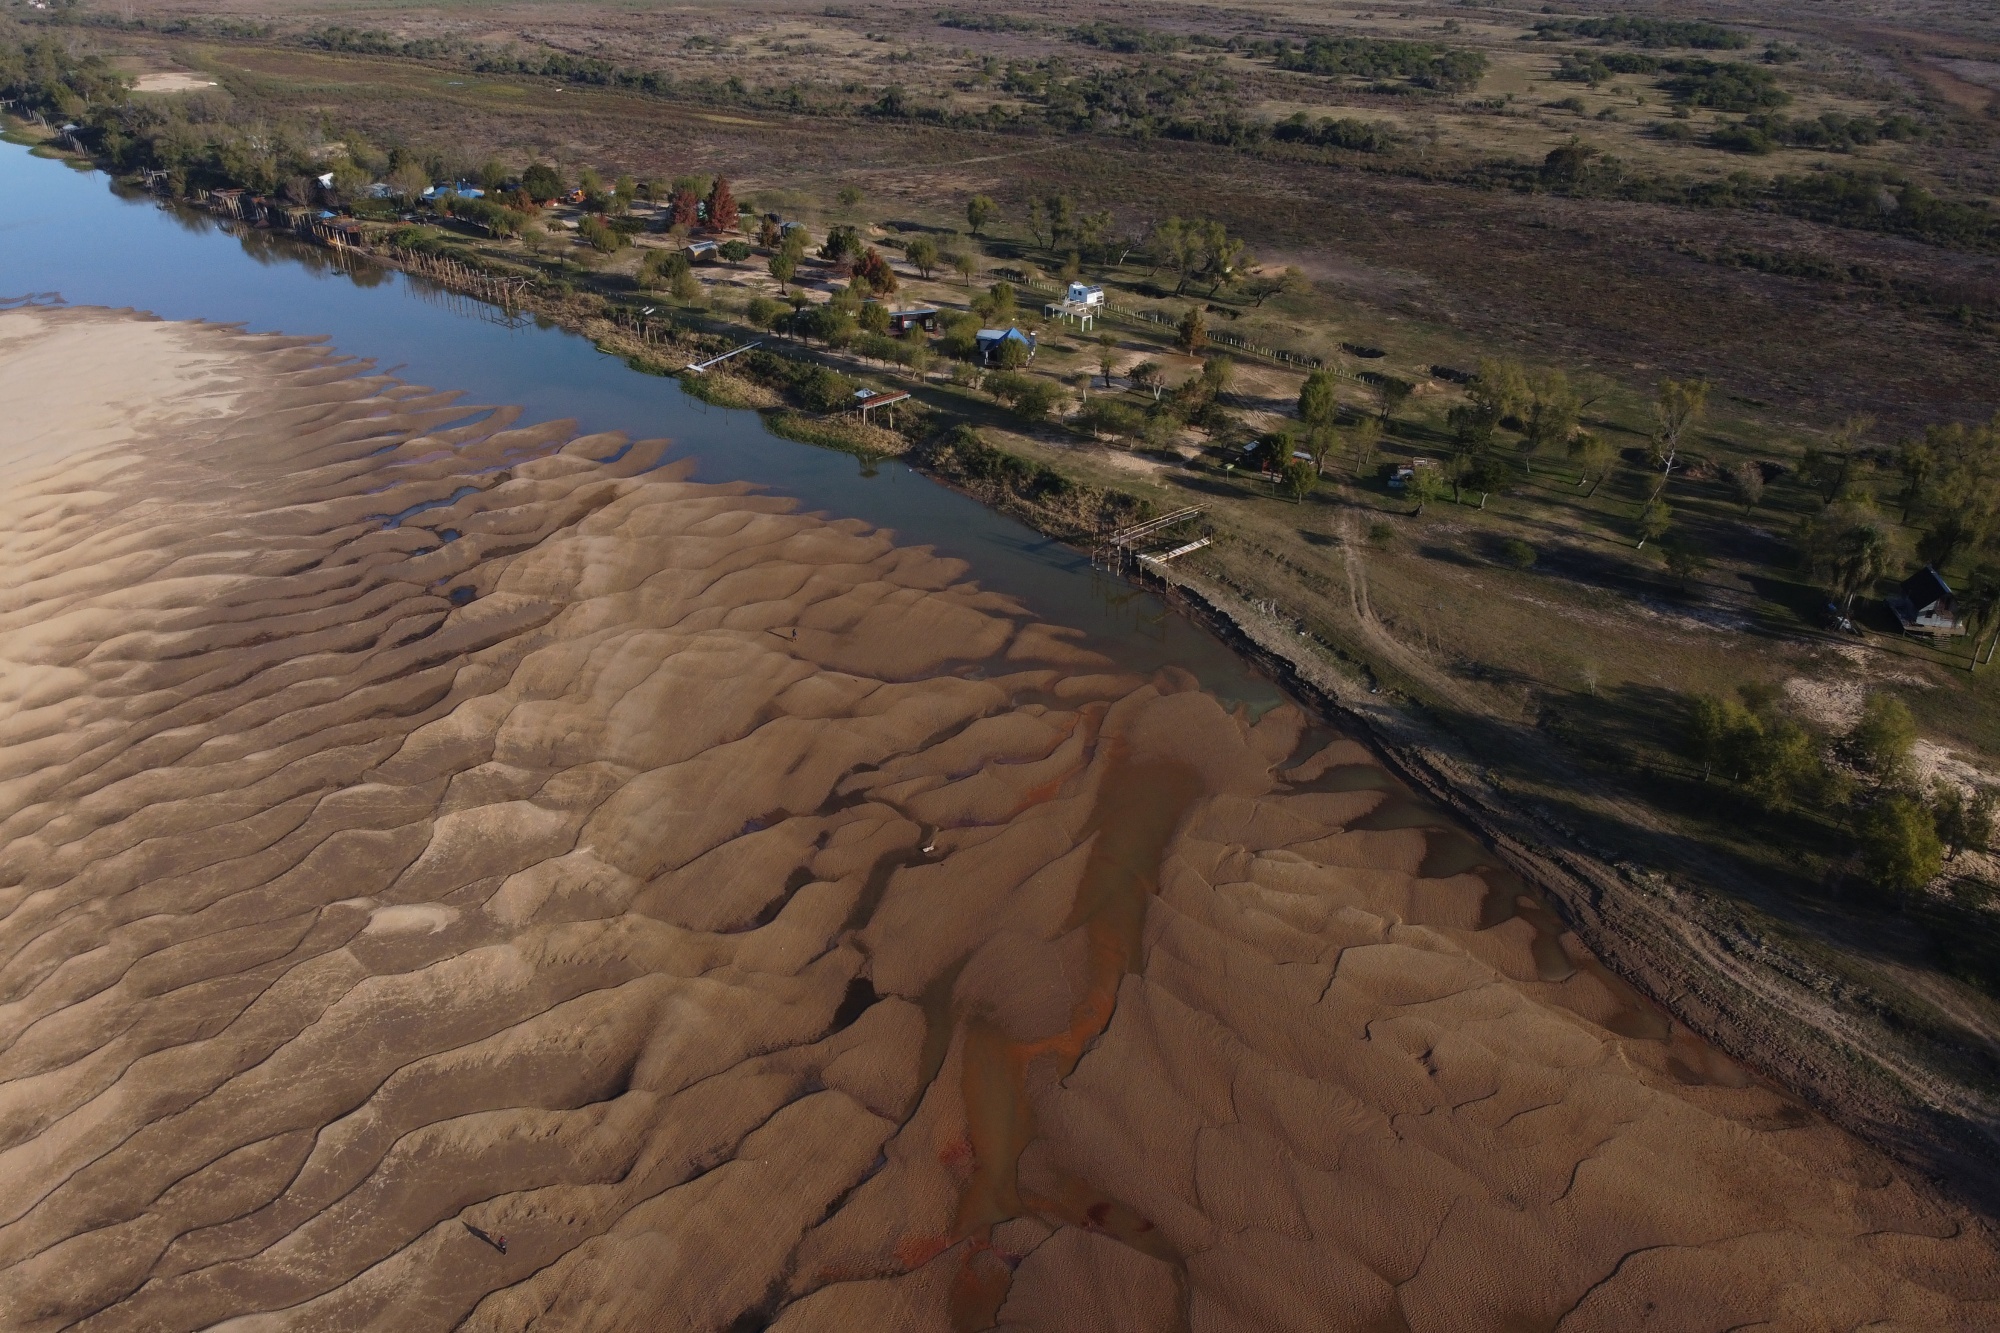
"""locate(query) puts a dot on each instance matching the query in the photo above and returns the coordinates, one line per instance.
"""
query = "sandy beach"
(457, 873)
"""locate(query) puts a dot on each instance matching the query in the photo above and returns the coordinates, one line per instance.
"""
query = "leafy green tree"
(784, 265)
(849, 197)
(1654, 521)
(965, 265)
(686, 288)
(1215, 375)
(979, 211)
(1106, 416)
(1963, 822)
(1320, 442)
(1553, 409)
(735, 251)
(1012, 354)
(1489, 472)
(1425, 485)
(1916, 461)
(542, 183)
(1883, 738)
(1959, 505)
(1594, 459)
(923, 254)
(1712, 724)
(600, 235)
(1677, 405)
(1148, 375)
(493, 174)
(1364, 438)
(1223, 257)
(1107, 356)
(1500, 388)
(1319, 403)
(996, 303)
(1685, 558)
(1292, 280)
(826, 390)
(1179, 246)
(874, 317)
(1848, 548)
(1298, 478)
(1899, 844)
(1979, 603)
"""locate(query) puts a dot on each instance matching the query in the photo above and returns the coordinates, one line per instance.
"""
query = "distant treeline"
(1830, 131)
(1425, 64)
(202, 139)
(1648, 32)
(1724, 85)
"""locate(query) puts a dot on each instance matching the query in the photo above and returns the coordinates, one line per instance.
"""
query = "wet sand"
(419, 829)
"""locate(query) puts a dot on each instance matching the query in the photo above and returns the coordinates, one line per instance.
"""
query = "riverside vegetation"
(1629, 524)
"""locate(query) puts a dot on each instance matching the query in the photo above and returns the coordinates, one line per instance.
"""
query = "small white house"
(1084, 294)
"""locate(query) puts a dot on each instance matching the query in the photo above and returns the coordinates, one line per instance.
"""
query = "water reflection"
(67, 232)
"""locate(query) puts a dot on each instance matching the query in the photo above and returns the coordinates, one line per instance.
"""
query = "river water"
(64, 231)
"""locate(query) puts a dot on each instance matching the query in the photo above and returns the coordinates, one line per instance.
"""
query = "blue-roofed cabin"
(990, 341)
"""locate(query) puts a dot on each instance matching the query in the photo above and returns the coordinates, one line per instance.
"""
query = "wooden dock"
(701, 367)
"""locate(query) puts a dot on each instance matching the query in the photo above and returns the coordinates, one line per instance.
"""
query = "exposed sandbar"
(756, 924)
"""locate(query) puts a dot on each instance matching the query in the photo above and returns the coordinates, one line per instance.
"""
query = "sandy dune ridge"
(417, 829)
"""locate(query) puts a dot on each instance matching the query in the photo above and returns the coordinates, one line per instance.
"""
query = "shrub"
(1108, 416)
(826, 390)
(1899, 844)
(736, 251)
(1518, 553)
(600, 235)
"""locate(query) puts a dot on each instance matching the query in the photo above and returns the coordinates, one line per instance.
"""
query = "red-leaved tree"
(875, 271)
(721, 206)
(687, 208)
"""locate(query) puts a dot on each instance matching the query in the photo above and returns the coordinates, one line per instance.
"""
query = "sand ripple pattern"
(419, 830)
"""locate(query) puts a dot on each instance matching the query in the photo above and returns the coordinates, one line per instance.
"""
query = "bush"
(826, 390)
(1107, 416)
(1028, 395)
(1883, 738)
(599, 235)
(877, 346)
(736, 251)
(1899, 844)
(828, 323)
(1518, 553)
(766, 313)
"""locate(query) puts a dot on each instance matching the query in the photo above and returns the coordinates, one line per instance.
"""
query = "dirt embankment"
(1695, 953)
(457, 874)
